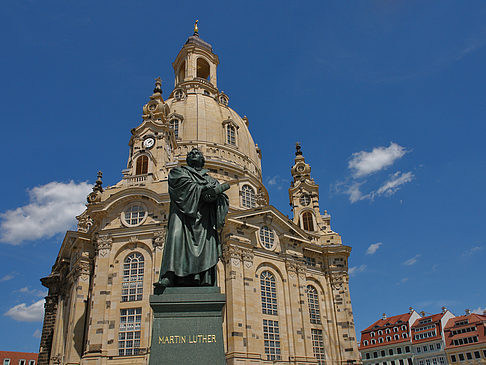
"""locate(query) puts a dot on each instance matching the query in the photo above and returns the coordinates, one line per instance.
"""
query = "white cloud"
(37, 334)
(364, 163)
(479, 310)
(27, 313)
(373, 248)
(6, 277)
(34, 292)
(473, 250)
(52, 209)
(356, 269)
(276, 181)
(411, 261)
(403, 281)
(391, 186)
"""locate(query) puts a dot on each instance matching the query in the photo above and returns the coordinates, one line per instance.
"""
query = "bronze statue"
(198, 207)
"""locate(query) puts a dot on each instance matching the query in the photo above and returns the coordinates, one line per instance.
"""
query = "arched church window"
(267, 237)
(202, 68)
(269, 293)
(313, 303)
(132, 282)
(142, 165)
(174, 124)
(307, 221)
(230, 135)
(247, 196)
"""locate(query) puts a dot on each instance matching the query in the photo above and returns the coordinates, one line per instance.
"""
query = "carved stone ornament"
(260, 198)
(103, 244)
(301, 270)
(291, 267)
(232, 254)
(85, 222)
(159, 238)
(50, 304)
(338, 280)
(247, 256)
(82, 271)
(56, 359)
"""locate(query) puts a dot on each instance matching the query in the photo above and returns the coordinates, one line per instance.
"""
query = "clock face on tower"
(149, 142)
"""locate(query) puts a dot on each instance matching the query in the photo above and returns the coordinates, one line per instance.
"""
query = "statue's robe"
(192, 244)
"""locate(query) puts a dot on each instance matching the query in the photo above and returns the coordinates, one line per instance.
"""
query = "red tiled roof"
(392, 320)
(434, 318)
(473, 318)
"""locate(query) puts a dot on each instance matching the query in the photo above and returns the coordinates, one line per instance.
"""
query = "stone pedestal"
(187, 326)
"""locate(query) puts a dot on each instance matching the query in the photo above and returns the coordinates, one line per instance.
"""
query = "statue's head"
(195, 158)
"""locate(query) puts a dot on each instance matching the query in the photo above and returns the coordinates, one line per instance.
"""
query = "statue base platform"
(187, 327)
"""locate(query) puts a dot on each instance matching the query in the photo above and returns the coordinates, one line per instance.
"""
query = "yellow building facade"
(285, 281)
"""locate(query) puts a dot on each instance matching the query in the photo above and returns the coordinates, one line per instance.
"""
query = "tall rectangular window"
(318, 345)
(130, 329)
(271, 336)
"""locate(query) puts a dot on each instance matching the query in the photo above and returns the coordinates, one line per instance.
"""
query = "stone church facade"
(285, 281)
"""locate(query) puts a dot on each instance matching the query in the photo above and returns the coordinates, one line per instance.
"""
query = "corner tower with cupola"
(285, 281)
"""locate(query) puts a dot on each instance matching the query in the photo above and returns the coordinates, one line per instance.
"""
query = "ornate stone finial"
(196, 30)
(444, 309)
(298, 148)
(410, 309)
(98, 185)
(158, 86)
(384, 316)
(468, 312)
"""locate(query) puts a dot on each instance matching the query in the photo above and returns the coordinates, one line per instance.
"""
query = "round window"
(305, 199)
(134, 214)
(267, 237)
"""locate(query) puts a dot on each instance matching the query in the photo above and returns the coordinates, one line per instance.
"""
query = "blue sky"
(388, 99)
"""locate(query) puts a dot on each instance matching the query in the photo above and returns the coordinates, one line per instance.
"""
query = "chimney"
(444, 309)
(422, 313)
(410, 310)
(384, 316)
(468, 312)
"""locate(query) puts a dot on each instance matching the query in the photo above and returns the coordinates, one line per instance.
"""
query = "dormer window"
(142, 165)
(223, 99)
(174, 125)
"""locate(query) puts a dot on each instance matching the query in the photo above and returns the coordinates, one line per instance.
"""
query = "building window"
(365, 343)
(438, 346)
(271, 339)
(418, 349)
(230, 135)
(308, 225)
(427, 361)
(453, 358)
(410, 362)
(390, 352)
(202, 68)
(407, 349)
(383, 353)
(477, 355)
(387, 330)
(310, 261)
(132, 286)
(396, 337)
(441, 360)
(404, 335)
(248, 196)
(313, 302)
(388, 338)
(399, 350)
(305, 199)
(425, 348)
(268, 293)
(267, 237)
(380, 340)
(31, 362)
(368, 355)
(372, 334)
(179, 94)
(395, 329)
(142, 165)
(400, 361)
(421, 362)
(318, 345)
(380, 332)
(469, 355)
(373, 341)
(22, 362)
(461, 357)
(375, 355)
(129, 334)
(134, 214)
(6, 361)
(174, 125)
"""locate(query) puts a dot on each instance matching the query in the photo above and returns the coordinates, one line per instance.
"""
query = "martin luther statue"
(198, 207)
